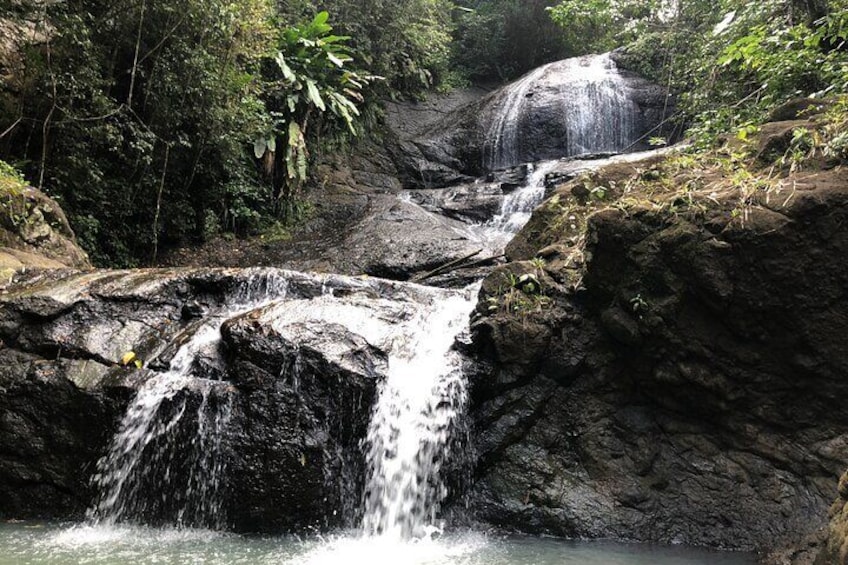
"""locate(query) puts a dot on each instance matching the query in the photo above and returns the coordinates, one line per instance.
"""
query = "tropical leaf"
(288, 74)
(314, 95)
(259, 147)
(335, 60)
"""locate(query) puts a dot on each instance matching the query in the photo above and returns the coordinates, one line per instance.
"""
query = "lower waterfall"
(170, 470)
(417, 411)
(169, 442)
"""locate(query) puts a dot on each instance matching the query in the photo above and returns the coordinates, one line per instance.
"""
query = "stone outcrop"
(454, 146)
(359, 224)
(297, 367)
(835, 549)
(307, 391)
(34, 233)
(51, 433)
(677, 378)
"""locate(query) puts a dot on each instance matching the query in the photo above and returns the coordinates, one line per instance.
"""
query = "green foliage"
(733, 61)
(781, 60)
(601, 25)
(520, 293)
(503, 39)
(406, 41)
(136, 116)
(13, 203)
(309, 81)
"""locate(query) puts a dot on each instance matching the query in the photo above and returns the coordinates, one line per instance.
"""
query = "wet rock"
(455, 144)
(296, 380)
(398, 239)
(307, 392)
(686, 390)
(51, 433)
(470, 203)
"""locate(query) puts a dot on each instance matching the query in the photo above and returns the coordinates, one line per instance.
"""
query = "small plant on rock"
(520, 294)
(12, 195)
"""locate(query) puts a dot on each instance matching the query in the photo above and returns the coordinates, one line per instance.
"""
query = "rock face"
(361, 224)
(295, 372)
(307, 391)
(571, 107)
(51, 433)
(61, 336)
(34, 233)
(683, 385)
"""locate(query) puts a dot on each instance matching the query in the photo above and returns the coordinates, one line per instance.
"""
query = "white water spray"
(171, 442)
(501, 149)
(591, 99)
(414, 419)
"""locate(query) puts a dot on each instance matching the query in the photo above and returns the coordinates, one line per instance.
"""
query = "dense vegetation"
(157, 123)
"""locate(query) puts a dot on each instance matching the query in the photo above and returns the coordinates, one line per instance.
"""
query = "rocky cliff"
(673, 372)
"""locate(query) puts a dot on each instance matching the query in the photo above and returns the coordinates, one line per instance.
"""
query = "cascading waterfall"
(413, 421)
(420, 406)
(594, 111)
(172, 442)
(150, 451)
(601, 116)
(501, 149)
(172, 438)
(517, 206)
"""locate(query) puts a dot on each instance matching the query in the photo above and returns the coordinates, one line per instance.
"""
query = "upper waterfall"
(570, 107)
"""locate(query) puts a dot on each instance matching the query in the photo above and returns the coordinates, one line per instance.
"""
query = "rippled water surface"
(29, 543)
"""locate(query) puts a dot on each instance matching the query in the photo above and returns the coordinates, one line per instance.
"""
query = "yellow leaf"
(128, 358)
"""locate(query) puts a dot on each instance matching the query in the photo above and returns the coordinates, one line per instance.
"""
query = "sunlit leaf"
(314, 95)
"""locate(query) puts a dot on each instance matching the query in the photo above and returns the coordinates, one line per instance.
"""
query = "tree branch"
(135, 57)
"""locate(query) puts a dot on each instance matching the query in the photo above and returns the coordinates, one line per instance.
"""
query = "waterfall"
(582, 104)
(414, 419)
(601, 116)
(171, 438)
(167, 463)
(501, 149)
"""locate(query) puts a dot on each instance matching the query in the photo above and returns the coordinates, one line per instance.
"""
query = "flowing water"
(167, 464)
(170, 441)
(39, 544)
(501, 148)
(413, 421)
(516, 208)
(586, 99)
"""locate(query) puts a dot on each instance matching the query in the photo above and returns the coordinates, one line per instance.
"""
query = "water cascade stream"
(413, 421)
(170, 439)
(167, 463)
(169, 442)
(584, 100)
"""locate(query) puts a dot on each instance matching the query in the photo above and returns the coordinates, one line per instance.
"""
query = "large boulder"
(307, 388)
(259, 384)
(571, 107)
(35, 234)
(51, 433)
(678, 376)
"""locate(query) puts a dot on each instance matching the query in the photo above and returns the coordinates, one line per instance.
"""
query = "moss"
(14, 207)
